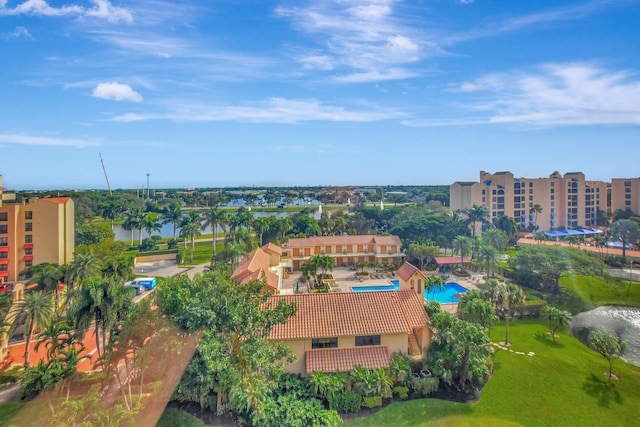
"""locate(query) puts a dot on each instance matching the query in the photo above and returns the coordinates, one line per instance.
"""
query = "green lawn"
(175, 417)
(562, 384)
(598, 291)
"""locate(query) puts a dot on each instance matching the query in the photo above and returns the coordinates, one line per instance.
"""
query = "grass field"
(563, 384)
(175, 417)
(598, 291)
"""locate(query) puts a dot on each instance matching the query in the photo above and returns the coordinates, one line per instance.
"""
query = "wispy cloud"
(19, 32)
(47, 141)
(570, 94)
(362, 38)
(117, 92)
(271, 110)
(102, 9)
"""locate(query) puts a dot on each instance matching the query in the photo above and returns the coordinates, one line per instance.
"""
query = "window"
(28, 215)
(627, 203)
(4, 241)
(4, 267)
(4, 255)
(4, 216)
(317, 343)
(367, 340)
(4, 229)
(627, 183)
(28, 226)
(28, 263)
(627, 190)
(28, 238)
(28, 251)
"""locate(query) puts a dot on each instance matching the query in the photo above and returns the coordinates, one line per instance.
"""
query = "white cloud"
(48, 141)
(18, 33)
(567, 94)
(116, 92)
(271, 110)
(360, 37)
(102, 9)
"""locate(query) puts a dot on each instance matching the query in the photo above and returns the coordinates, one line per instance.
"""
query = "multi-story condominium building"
(33, 232)
(556, 202)
(625, 194)
(345, 250)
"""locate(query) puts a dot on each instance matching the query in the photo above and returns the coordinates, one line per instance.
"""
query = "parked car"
(147, 282)
(4, 287)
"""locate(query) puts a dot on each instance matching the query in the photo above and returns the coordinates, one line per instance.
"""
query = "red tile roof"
(445, 260)
(345, 359)
(407, 270)
(343, 240)
(253, 267)
(350, 314)
(271, 248)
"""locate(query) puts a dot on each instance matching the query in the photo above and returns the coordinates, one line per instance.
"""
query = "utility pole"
(148, 185)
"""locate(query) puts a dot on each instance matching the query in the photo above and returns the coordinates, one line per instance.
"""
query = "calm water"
(167, 229)
(394, 287)
(623, 321)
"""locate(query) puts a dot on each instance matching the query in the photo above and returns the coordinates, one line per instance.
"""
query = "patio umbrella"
(297, 287)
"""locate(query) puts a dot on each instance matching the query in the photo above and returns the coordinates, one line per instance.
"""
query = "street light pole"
(148, 185)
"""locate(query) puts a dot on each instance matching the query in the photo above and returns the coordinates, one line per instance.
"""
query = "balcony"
(28, 258)
(4, 261)
(4, 274)
(28, 246)
(4, 248)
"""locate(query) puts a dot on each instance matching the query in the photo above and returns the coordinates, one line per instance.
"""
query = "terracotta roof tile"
(350, 314)
(343, 240)
(270, 247)
(255, 266)
(407, 270)
(345, 359)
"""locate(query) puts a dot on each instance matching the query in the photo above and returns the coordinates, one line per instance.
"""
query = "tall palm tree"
(48, 276)
(82, 267)
(495, 237)
(133, 221)
(462, 244)
(284, 225)
(479, 311)
(476, 214)
(510, 298)
(536, 209)
(190, 227)
(261, 225)
(34, 311)
(213, 217)
(625, 231)
(488, 255)
(507, 224)
(111, 209)
(172, 215)
(150, 224)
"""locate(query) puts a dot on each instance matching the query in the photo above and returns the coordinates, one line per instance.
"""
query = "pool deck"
(345, 279)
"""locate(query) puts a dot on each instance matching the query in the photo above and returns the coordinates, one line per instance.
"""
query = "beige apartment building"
(33, 232)
(564, 201)
(625, 194)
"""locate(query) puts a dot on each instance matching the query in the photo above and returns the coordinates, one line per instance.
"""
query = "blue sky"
(294, 92)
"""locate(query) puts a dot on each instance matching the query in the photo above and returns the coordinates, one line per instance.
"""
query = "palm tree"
(111, 209)
(133, 222)
(261, 225)
(48, 276)
(507, 224)
(475, 214)
(213, 217)
(284, 225)
(495, 237)
(190, 227)
(462, 245)
(433, 282)
(172, 215)
(509, 299)
(150, 224)
(535, 209)
(34, 311)
(489, 255)
(557, 319)
(118, 268)
(479, 311)
(82, 267)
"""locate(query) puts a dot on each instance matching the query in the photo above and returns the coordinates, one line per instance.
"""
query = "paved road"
(8, 393)
(626, 273)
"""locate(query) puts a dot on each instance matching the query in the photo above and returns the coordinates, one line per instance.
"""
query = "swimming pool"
(393, 287)
(446, 295)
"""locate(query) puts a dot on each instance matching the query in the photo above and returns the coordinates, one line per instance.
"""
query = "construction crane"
(105, 175)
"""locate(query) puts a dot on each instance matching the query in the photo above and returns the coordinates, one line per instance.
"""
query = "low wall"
(153, 258)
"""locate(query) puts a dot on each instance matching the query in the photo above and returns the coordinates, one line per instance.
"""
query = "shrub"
(372, 402)
(156, 237)
(615, 261)
(425, 386)
(149, 245)
(10, 376)
(180, 256)
(172, 244)
(432, 308)
(347, 401)
(402, 392)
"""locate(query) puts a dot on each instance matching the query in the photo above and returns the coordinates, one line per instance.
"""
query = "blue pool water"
(394, 287)
(446, 295)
